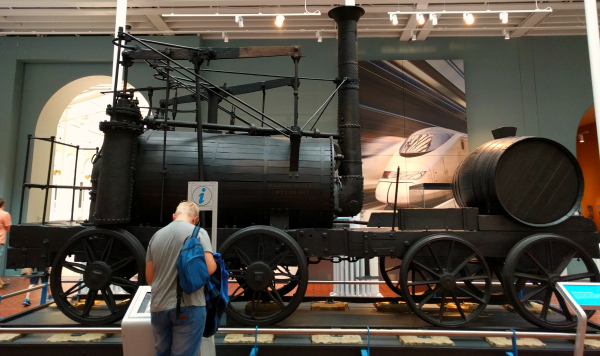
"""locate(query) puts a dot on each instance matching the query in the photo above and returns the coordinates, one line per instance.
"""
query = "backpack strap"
(179, 290)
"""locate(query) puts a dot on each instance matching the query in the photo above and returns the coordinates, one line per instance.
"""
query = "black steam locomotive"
(280, 189)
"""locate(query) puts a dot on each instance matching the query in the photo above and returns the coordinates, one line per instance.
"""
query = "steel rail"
(321, 331)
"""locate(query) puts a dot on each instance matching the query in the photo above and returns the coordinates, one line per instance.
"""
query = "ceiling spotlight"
(506, 34)
(225, 37)
(239, 20)
(279, 20)
(413, 36)
(433, 19)
(468, 17)
(420, 19)
(319, 37)
(394, 19)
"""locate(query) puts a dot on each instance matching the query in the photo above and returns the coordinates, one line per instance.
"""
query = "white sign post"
(580, 296)
(206, 196)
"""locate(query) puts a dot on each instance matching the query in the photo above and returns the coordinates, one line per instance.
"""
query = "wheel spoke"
(277, 259)
(565, 262)
(563, 305)
(537, 263)
(122, 263)
(109, 298)
(89, 252)
(242, 255)
(450, 255)
(253, 305)
(392, 268)
(237, 273)
(546, 304)
(75, 267)
(472, 295)
(275, 296)
(422, 267)
(471, 278)
(533, 293)
(75, 288)
(107, 250)
(291, 277)
(550, 255)
(89, 302)
(442, 305)
(261, 247)
(463, 263)
(233, 296)
(574, 277)
(531, 277)
(462, 313)
(429, 296)
(122, 282)
(435, 258)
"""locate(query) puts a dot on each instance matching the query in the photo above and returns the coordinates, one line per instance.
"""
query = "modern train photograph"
(430, 155)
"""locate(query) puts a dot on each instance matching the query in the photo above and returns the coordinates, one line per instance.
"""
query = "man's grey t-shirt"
(163, 250)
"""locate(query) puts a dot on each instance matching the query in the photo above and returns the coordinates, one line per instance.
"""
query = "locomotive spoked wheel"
(448, 271)
(266, 264)
(532, 269)
(102, 260)
(390, 272)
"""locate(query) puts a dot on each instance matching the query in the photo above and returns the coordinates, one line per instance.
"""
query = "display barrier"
(580, 297)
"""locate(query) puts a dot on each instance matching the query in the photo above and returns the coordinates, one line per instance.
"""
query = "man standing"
(4, 228)
(172, 336)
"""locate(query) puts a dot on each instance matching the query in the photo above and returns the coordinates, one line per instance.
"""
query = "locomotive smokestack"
(350, 171)
(115, 181)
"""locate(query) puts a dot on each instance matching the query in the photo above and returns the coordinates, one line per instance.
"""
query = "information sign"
(586, 295)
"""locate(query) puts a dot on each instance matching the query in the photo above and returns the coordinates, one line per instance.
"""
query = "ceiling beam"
(157, 22)
(410, 25)
(426, 29)
(532, 21)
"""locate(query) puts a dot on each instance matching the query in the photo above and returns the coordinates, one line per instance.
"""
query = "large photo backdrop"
(414, 121)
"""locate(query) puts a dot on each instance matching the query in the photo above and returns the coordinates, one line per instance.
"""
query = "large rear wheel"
(532, 269)
(103, 267)
(265, 264)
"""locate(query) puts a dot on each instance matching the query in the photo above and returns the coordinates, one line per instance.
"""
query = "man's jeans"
(178, 337)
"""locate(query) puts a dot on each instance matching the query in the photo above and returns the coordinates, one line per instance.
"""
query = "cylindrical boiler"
(255, 182)
(536, 181)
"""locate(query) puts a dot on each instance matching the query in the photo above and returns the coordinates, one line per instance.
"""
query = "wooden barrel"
(534, 180)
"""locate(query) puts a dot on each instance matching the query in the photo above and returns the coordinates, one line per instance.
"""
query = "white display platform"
(136, 329)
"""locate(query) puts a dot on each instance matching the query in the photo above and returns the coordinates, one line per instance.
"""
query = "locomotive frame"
(447, 255)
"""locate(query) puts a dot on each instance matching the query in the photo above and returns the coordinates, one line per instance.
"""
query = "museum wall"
(587, 155)
(541, 85)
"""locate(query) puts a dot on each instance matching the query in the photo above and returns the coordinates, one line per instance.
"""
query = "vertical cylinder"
(350, 171)
(119, 151)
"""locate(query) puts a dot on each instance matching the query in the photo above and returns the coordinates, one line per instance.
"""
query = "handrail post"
(44, 293)
(75, 181)
(50, 165)
(24, 178)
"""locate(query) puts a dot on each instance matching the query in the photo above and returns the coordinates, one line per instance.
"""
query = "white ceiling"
(89, 17)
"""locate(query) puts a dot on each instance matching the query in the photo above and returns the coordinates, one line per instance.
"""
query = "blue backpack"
(191, 267)
(217, 296)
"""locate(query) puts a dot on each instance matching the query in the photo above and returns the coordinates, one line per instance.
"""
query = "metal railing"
(43, 287)
(49, 186)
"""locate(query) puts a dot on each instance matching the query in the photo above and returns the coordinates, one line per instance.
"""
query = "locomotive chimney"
(350, 171)
(115, 181)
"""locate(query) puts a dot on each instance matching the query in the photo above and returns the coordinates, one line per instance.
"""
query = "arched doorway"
(588, 157)
(72, 116)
